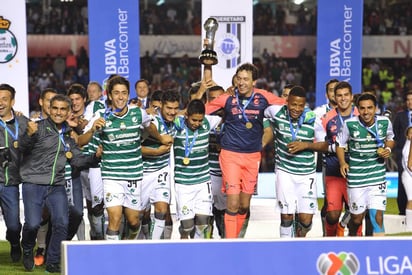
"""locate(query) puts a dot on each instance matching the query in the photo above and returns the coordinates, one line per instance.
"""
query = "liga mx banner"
(13, 51)
(234, 36)
(114, 40)
(339, 44)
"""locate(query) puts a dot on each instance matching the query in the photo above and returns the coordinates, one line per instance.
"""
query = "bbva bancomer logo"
(343, 263)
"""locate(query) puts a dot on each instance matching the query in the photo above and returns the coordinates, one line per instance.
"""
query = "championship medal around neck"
(69, 155)
(380, 150)
(249, 125)
(15, 144)
(186, 161)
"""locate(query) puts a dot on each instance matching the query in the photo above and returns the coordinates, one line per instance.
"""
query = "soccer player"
(122, 166)
(369, 139)
(295, 165)
(335, 184)
(194, 196)
(219, 198)
(156, 162)
(241, 144)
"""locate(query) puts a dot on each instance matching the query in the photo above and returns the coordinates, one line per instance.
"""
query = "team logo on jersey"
(344, 263)
(134, 119)
(185, 210)
(8, 42)
(109, 197)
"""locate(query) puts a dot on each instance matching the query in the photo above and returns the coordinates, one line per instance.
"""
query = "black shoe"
(15, 253)
(28, 260)
(53, 268)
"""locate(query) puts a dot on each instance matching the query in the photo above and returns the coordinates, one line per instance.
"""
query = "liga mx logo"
(344, 263)
(8, 42)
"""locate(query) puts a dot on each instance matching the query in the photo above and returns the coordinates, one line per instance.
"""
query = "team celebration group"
(125, 155)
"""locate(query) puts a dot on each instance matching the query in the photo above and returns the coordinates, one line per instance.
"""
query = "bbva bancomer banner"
(114, 40)
(339, 44)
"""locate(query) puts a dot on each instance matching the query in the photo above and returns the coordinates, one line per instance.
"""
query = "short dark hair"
(60, 97)
(334, 80)
(216, 88)
(117, 80)
(298, 91)
(9, 88)
(47, 90)
(77, 88)
(141, 80)
(196, 106)
(250, 68)
(156, 95)
(343, 85)
(170, 95)
(366, 96)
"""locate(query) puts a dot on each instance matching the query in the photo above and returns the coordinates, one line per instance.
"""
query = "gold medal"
(186, 161)
(16, 144)
(249, 125)
(380, 150)
(69, 155)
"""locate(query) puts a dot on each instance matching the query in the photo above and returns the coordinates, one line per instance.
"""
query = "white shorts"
(156, 187)
(296, 193)
(195, 199)
(219, 198)
(123, 193)
(407, 183)
(368, 197)
(92, 185)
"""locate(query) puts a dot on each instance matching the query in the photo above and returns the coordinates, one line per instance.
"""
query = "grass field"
(9, 268)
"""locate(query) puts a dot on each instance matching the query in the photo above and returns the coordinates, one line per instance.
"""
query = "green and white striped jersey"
(365, 167)
(155, 163)
(302, 163)
(121, 141)
(214, 150)
(197, 171)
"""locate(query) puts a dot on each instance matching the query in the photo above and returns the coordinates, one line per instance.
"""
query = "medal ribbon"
(292, 129)
(340, 117)
(189, 146)
(243, 108)
(61, 136)
(163, 122)
(374, 134)
(15, 135)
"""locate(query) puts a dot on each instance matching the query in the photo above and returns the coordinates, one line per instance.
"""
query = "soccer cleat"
(15, 253)
(340, 230)
(53, 268)
(28, 260)
(39, 258)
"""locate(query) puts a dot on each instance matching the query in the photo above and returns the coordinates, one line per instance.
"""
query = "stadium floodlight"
(298, 2)
(255, 2)
(160, 2)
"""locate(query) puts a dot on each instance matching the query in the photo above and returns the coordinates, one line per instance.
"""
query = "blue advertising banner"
(339, 44)
(114, 40)
(242, 257)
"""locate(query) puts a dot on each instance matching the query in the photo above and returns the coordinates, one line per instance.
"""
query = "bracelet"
(388, 148)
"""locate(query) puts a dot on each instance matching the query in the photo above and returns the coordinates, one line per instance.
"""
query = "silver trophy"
(208, 56)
